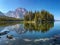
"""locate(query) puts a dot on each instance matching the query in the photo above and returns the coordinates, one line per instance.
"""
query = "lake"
(46, 33)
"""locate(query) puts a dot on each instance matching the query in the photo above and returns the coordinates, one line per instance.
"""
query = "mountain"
(17, 13)
(3, 17)
(1, 14)
(10, 14)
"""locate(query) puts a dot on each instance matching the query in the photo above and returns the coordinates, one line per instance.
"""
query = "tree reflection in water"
(42, 26)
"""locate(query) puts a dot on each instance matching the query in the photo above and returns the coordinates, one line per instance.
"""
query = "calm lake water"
(30, 34)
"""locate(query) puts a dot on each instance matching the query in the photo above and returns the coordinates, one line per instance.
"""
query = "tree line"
(5, 18)
(38, 16)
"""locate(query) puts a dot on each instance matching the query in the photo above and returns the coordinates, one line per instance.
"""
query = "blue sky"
(53, 6)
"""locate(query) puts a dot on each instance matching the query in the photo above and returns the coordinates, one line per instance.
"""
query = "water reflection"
(43, 26)
(29, 34)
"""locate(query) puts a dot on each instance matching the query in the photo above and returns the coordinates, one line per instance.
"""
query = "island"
(38, 16)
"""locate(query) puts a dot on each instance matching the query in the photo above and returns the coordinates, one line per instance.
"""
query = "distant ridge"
(57, 20)
(1, 14)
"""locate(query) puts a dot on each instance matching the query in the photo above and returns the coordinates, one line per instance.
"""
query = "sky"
(53, 6)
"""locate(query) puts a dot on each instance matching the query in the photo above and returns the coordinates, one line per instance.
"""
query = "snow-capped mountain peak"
(17, 13)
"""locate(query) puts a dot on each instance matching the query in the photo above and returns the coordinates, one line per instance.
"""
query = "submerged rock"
(10, 36)
(55, 40)
(3, 33)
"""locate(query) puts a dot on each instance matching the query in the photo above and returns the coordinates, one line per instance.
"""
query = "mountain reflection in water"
(30, 33)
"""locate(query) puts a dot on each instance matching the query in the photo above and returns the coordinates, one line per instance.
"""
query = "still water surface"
(30, 34)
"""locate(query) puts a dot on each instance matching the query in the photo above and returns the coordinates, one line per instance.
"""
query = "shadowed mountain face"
(17, 13)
